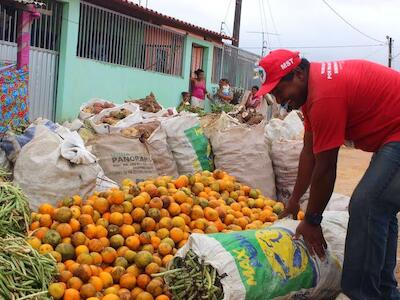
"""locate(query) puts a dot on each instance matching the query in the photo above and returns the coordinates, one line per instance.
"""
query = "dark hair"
(225, 80)
(185, 94)
(198, 71)
(304, 65)
(255, 87)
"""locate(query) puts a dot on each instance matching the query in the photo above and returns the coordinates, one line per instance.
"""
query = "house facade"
(117, 50)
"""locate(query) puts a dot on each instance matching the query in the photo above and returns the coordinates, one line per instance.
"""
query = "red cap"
(274, 66)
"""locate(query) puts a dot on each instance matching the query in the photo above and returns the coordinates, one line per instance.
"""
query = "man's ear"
(299, 73)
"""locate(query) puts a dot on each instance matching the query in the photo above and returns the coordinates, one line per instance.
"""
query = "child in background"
(185, 103)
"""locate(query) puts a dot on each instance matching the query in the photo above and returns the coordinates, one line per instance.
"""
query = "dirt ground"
(352, 164)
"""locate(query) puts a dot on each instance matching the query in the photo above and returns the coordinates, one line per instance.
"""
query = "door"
(43, 63)
(197, 58)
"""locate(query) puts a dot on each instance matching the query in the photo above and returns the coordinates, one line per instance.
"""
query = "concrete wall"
(81, 79)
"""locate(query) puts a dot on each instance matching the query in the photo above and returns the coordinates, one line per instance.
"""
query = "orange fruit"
(143, 280)
(101, 205)
(134, 270)
(97, 258)
(109, 255)
(74, 283)
(116, 197)
(85, 219)
(186, 208)
(176, 234)
(72, 294)
(164, 248)
(135, 292)
(127, 281)
(95, 245)
(116, 218)
(127, 230)
(178, 222)
(78, 238)
(97, 283)
(139, 201)
(144, 296)
(64, 229)
(163, 297)
(81, 249)
(197, 212)
(75, 225)
(155, 241)
(56, 290)
(211, 214)
(106, 278)
(87, 290)
(110, 297)
(174, 209)
(45, 220)
(127, 218)
(138, 214)
(148, 224)
(64, 276)
(152, 268)
(166, 259)
(46, 208)
(84, 258)
(87, 209)
(156, 203)
(132, 242)
(181, 181)
(101, 231)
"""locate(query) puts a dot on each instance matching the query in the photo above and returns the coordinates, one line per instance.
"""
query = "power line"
(322, 47)
(227, 10)
(348, 23)
(266, 23)
(273, 21)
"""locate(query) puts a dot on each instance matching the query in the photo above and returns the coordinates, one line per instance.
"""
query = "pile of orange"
(109, 245)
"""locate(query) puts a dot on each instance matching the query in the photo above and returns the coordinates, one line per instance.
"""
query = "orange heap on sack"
(109, 245)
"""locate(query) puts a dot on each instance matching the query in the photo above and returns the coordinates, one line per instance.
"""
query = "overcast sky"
(300, 24)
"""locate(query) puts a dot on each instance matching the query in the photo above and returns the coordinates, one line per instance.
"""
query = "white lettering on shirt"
(335, 68)
(329, 71)
(323, 68)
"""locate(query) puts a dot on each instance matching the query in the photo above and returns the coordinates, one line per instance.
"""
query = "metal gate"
(43, 65)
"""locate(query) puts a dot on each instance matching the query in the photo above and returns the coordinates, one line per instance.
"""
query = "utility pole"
(236, 23)
(264, 45)
(390, 44)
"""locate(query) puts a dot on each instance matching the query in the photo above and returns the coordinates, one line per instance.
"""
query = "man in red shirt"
(352, 100)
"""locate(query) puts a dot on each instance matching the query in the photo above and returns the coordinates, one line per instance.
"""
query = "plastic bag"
(190, 147)
(103, 128)
(269, 264)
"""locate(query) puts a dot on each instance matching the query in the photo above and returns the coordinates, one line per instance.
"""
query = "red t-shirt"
(352, 100)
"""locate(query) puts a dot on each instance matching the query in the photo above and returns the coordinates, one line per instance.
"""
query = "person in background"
(198, 89)
(224, 93)
(185, 103)
(254, 101)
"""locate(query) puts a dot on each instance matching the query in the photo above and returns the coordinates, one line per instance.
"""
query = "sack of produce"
(112, 120)
(285, 156)
(12, 142)
(46, 176)
(242, 151)
(190, 147)
(123, 157)
(147, 104)
(155, 138)
(94, 107)
(259, 264)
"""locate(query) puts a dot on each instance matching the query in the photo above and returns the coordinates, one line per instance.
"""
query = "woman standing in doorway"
(198, 89)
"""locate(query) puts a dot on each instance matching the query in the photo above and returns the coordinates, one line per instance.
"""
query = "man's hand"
(313, 237)
(292, 208)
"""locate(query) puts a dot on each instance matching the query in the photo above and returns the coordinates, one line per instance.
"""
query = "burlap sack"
(45, 176)
(242, 151)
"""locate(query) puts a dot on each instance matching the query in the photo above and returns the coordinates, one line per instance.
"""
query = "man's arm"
(323, 181)
(304, 174)
(322, 184)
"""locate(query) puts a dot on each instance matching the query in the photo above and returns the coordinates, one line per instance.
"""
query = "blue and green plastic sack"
(259, 264)
(189, 145)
